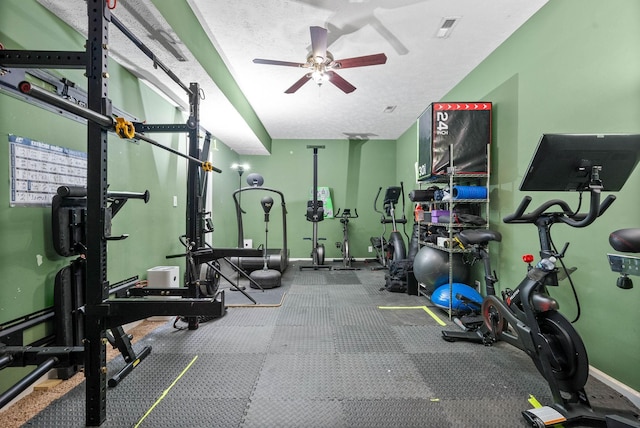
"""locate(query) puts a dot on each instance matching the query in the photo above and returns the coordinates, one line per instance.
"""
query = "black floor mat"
(328, 356)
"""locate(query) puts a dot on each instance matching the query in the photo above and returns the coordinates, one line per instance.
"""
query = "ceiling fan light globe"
(318, 76)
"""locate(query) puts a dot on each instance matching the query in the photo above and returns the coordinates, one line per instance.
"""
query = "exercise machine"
(527, 317)
(277, 258)
(477, 242)
(64, 350)
(315, 214)
(394, 248)
(206, 272)
(344, 217)
(68, 215)
(102, 313)
(625, 241)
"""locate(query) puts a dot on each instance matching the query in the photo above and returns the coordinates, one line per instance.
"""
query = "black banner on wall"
(463, 128)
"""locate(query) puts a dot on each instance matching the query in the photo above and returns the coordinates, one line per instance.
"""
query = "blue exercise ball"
(443, 294)
(431, 268)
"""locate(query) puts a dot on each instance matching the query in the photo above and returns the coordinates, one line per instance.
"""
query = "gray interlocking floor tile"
(328, 357)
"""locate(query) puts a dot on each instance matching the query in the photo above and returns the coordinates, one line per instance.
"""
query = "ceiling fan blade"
(342, 84)
(275, 62)
(319, 42)
(361, 61)
(304, 79)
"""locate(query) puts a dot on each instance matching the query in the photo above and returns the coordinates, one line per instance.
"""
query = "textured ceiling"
(420, 68)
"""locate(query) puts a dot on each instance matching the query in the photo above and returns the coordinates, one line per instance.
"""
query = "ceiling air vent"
(446, 26)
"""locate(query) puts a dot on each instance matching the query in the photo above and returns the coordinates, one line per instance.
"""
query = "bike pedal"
(543, 416)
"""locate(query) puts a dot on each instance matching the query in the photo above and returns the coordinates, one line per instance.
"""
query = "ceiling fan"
(321, 64)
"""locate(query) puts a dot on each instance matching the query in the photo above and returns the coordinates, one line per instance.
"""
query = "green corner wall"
(352, 169)
(179, 15)
(572, 68)
(28, 262)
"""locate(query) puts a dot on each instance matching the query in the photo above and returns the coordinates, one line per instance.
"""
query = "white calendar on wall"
(37, 170)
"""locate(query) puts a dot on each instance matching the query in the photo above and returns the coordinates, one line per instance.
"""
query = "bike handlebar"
(375, 201)
(346, 213)
(567, 216)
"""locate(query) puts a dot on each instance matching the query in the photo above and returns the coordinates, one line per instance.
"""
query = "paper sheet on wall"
(37, 169)
(324, 195)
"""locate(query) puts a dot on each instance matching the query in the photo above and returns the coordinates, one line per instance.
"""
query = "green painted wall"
(572, 68)
(179, 15)
(28, 263)
(353, 169)
(406, 160)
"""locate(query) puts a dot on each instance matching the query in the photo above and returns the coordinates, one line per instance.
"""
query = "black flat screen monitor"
(563, 162)
(392, 195)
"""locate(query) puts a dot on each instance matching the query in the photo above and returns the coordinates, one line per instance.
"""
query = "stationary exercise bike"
(625, 241)
(344, 217)
(527, 317)
(476, 241)
(394, 248)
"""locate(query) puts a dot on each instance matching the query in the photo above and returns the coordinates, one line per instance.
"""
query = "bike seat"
(478, 236)
(625, 240)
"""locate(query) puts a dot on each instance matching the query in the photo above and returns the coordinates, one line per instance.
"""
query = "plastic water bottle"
(419, 213)
(547, 264)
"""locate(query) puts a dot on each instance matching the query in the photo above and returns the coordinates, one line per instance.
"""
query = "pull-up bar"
(149, 53)
(121, 126)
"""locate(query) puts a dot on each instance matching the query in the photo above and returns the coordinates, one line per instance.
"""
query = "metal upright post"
(96, 285)
(194, 208)
(195, 232)
(314, 236)
(100, 312)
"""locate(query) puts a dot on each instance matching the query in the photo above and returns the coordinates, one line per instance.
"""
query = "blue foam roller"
(469, 192)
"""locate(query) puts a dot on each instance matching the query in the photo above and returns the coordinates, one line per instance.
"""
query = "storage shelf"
(457, 225)
(445, 178)
(453, 179)
(441, 248)
(457, 201)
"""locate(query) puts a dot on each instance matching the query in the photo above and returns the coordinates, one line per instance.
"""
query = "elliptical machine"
(394, 248)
